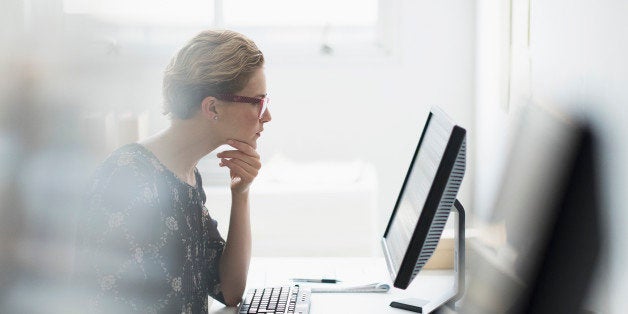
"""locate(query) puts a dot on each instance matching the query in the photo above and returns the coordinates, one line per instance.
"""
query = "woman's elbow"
(232, 290)
(232, 295)
(232, 300)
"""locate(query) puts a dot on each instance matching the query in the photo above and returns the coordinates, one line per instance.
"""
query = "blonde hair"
(213, 62)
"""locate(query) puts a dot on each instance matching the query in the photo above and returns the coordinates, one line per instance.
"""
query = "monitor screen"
(426, 198)
(413, 196)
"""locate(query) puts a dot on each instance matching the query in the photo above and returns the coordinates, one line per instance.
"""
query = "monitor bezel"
(403, 276)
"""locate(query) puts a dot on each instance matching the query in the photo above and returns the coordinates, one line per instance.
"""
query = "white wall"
(578, 61)
(374, 111)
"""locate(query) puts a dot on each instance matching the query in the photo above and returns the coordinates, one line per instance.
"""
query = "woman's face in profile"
(242, 121)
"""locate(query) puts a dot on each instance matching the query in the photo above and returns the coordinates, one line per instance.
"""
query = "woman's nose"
(266, 117)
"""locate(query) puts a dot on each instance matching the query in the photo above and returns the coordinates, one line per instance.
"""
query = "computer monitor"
(545, 232)
(427, 196)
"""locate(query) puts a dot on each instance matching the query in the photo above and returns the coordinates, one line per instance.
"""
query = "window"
(305, 28)
(145, 12)
(284, 28)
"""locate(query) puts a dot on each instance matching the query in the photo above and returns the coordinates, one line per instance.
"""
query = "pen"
(324, 280)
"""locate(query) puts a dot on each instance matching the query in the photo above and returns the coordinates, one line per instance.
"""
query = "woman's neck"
(180, 147)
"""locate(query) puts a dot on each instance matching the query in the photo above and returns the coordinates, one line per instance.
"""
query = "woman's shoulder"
(131, 155)
(127, 153)
(131, 163)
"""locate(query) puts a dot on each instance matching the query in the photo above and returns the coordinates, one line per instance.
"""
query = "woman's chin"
(251, 141)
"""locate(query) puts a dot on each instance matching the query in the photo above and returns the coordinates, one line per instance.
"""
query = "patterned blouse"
(147, 243)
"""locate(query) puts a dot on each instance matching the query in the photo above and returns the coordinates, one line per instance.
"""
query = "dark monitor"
(545, 233)
(427, 196)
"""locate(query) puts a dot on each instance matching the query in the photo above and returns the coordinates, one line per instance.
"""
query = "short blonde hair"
(213, 62)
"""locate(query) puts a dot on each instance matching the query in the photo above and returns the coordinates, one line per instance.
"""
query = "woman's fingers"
(243, 152)
(235, 154)
(238, 171)
(242, 166)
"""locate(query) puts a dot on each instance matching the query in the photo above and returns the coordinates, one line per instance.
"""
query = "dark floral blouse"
(146, 242)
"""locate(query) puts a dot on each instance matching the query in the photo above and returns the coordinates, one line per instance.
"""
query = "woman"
(149, 243)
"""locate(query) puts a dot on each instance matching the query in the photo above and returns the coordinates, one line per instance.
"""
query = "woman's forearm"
(234, 263)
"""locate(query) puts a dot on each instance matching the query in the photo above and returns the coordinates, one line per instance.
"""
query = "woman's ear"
(208, 108)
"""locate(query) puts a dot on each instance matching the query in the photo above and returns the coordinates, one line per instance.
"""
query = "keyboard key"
(273, 300)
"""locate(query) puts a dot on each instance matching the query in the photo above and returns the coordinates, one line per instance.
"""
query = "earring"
(215, 117)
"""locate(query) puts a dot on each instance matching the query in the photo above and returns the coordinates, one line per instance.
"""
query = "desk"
(268, 271)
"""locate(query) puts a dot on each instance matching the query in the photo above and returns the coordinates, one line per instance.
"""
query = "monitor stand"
(419, 305)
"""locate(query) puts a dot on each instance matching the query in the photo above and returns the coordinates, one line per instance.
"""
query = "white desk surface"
(276, 271)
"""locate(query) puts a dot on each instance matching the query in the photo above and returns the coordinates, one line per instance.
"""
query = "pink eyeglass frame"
(262, 102)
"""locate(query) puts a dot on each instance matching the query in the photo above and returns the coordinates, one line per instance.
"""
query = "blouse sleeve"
(216, 245)
(120, 250)
(215, 290)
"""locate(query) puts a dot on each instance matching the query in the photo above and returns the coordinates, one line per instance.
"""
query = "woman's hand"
(243, 163)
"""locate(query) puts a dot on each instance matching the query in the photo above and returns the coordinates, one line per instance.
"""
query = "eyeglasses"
(262, 102)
